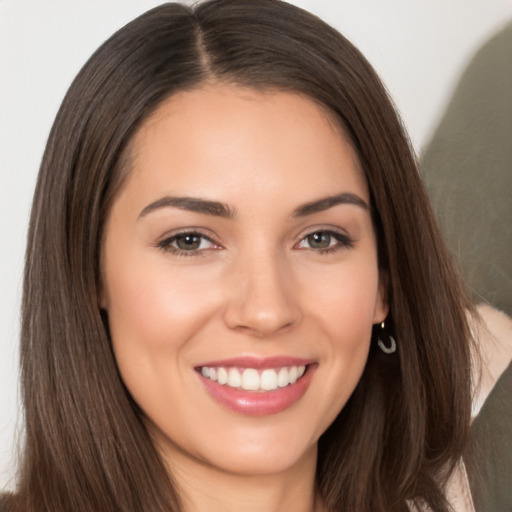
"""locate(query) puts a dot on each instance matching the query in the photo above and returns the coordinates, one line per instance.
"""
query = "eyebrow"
(325, 203)
(218, 209)
(192, 204)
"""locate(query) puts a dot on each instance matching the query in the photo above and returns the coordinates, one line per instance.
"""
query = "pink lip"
(258, 363)
(259, 403)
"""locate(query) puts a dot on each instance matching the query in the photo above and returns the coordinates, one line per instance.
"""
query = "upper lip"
(258, 362)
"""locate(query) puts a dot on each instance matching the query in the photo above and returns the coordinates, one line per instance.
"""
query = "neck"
(204, 488)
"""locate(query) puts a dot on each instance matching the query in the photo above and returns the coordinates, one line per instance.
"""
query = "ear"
(381, 302)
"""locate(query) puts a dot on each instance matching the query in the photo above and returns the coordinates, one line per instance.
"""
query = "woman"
(235, 293)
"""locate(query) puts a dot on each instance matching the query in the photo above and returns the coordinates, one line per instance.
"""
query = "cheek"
(152, 310)
(153, 313)
(347, 298)
(343, 313)
(347, 317)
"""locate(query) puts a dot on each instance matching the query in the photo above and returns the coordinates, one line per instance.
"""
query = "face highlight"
(240, 278)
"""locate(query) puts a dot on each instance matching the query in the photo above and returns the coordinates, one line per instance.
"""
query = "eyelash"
(165, 244)
(343, 242)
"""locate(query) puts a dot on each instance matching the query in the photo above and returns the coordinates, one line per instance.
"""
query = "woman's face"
(240, 277)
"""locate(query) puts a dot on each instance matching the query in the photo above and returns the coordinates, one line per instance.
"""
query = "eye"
(320, 240)
(325, 241)
(190, 242)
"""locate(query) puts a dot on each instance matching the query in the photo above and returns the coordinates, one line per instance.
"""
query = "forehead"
(243, 138)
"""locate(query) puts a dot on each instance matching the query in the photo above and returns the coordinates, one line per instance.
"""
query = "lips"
(256, 386)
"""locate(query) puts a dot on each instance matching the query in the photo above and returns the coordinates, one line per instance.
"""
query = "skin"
(258, 287)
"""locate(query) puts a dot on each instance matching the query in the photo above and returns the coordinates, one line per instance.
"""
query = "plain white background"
(419, 47)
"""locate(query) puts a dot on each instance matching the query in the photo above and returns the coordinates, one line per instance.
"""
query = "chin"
(264, 459)
(246, 447)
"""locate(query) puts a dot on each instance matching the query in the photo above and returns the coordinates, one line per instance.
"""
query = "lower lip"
(259, 403)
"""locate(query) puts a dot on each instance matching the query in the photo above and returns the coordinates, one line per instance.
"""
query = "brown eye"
(319, 240)
(188, 242)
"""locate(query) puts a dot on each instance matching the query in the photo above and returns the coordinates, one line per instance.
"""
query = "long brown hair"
(86, 448)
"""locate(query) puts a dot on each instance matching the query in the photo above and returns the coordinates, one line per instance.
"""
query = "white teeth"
(222, 376)
(251, 379)
(282, 378)
(268, 380)
(234, 380)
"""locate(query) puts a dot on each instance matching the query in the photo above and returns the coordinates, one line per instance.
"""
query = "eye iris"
(320, 240)
(188, 242)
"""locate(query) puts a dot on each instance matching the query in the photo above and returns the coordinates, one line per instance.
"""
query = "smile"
(252, 379)
(255, 386)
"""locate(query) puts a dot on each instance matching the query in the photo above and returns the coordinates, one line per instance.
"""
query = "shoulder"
(493, 335)
(484, 484)
(490, 443)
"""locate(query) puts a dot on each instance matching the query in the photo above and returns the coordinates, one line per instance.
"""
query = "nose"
(263, 298)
